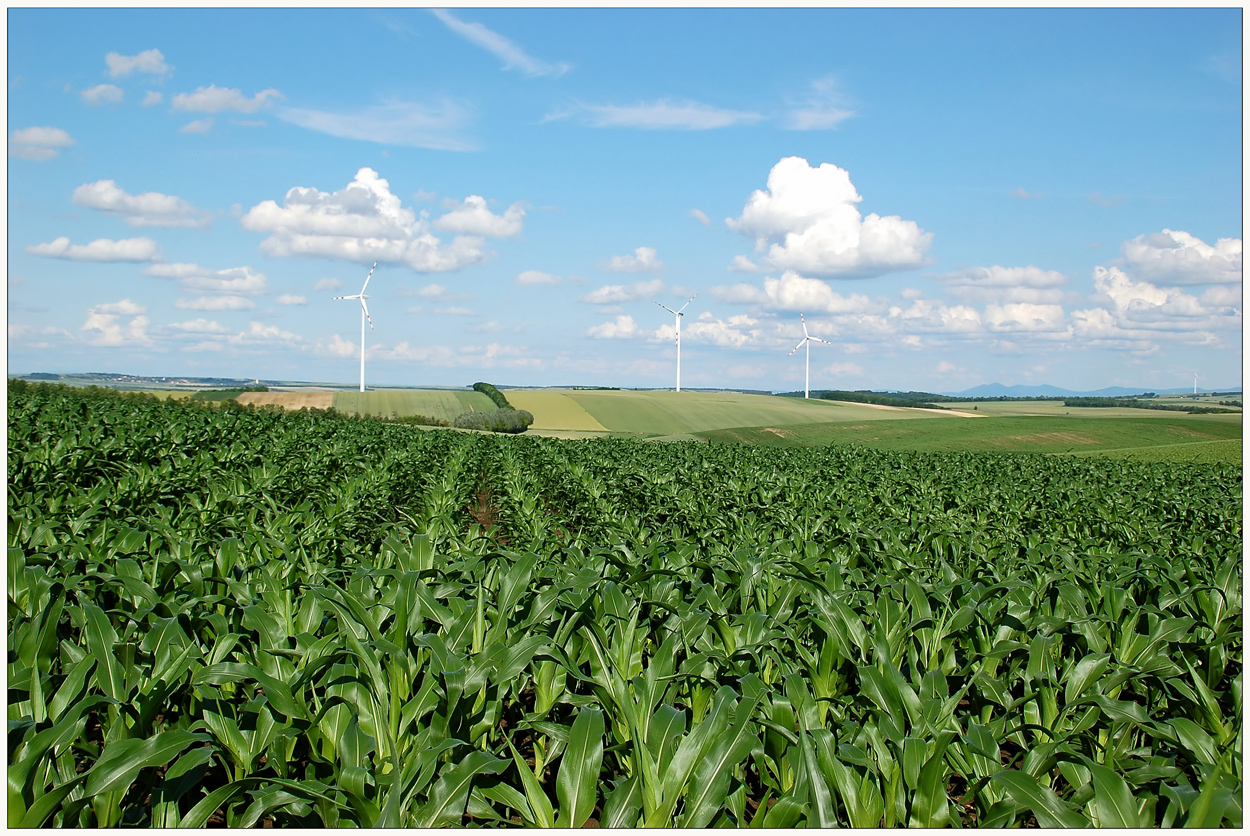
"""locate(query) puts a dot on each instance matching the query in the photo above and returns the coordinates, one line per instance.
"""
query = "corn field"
(221, 616)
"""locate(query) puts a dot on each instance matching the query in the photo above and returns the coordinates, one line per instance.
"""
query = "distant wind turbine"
(364, 314)
(1195, 383)
(677, 314)
(808, 339)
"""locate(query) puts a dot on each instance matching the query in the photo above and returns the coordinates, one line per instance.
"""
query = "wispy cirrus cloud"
(513, 56)
(436, 126)
(823, 107)
(660, 115)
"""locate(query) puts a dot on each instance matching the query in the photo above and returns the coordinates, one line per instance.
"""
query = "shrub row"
(494, 394)
(499, 421)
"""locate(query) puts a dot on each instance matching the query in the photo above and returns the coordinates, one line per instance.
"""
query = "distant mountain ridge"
(997, 390)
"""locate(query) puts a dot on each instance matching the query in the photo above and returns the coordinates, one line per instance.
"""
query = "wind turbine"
(807, 340)
(677, 314)
(364, 314)
(1195, 383)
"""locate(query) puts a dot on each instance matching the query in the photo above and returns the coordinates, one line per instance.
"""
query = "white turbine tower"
(364, 314)
(677, 314)
(1195, 383)
(807, 368)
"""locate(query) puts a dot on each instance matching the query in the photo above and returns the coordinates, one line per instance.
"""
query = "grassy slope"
(553, 409)
(670, 413)
(435, 403)
(1043, 434)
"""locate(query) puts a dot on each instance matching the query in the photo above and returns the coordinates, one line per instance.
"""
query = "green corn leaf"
(539, 803)
(577, 782)
(1114, 804)
(623, 805)
(710, 781)
(199, 815)
(46, 805)
(1049, 809)
(101, 638)
(121, 760)
(451, 791)
(786, 813)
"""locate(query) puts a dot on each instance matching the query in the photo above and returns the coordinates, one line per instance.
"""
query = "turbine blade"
(368, 277)
(797, 347)
(683, 307)
(365, 310)
(344, 297)
(804, 321)
(666, 307)
(819, 340)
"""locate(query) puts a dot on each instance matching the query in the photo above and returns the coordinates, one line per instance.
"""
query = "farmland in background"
(232, 617)
(659, 412)
(1058, 434)
(443, 404)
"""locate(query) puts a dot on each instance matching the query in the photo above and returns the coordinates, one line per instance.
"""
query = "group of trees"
(505, 419)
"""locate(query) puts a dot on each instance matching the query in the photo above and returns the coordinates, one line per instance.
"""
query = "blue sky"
(950, 197)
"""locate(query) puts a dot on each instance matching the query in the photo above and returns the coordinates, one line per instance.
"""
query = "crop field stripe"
(249, 618)
(434, 403)
(553, 410)
(668, 413)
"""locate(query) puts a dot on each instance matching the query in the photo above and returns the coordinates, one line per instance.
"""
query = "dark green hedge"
(494, 394)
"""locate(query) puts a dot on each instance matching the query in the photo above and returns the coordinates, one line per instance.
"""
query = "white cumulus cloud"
(216, 303)
(147, 209)
(292, 299)
(1006, 284)
(199, 126)
(613, 294)
(621, 328)
(643, 260)
(700, 216)
(473, 217)
(233, 281)
(38, 143)
(793, 292)
(152, 98)
(362, 222)
(102, 249)
(102, 94)
(1177, 257)
(807, 220)
(105, 327)
(200, 326)
(150, 61)
(535, 277)
(214, 99)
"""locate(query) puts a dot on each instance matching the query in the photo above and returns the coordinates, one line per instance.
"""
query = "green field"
(1035, 434)
(554, 409)
(223, 616)
(443, 404)
(656, 413)
(1005, 408)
